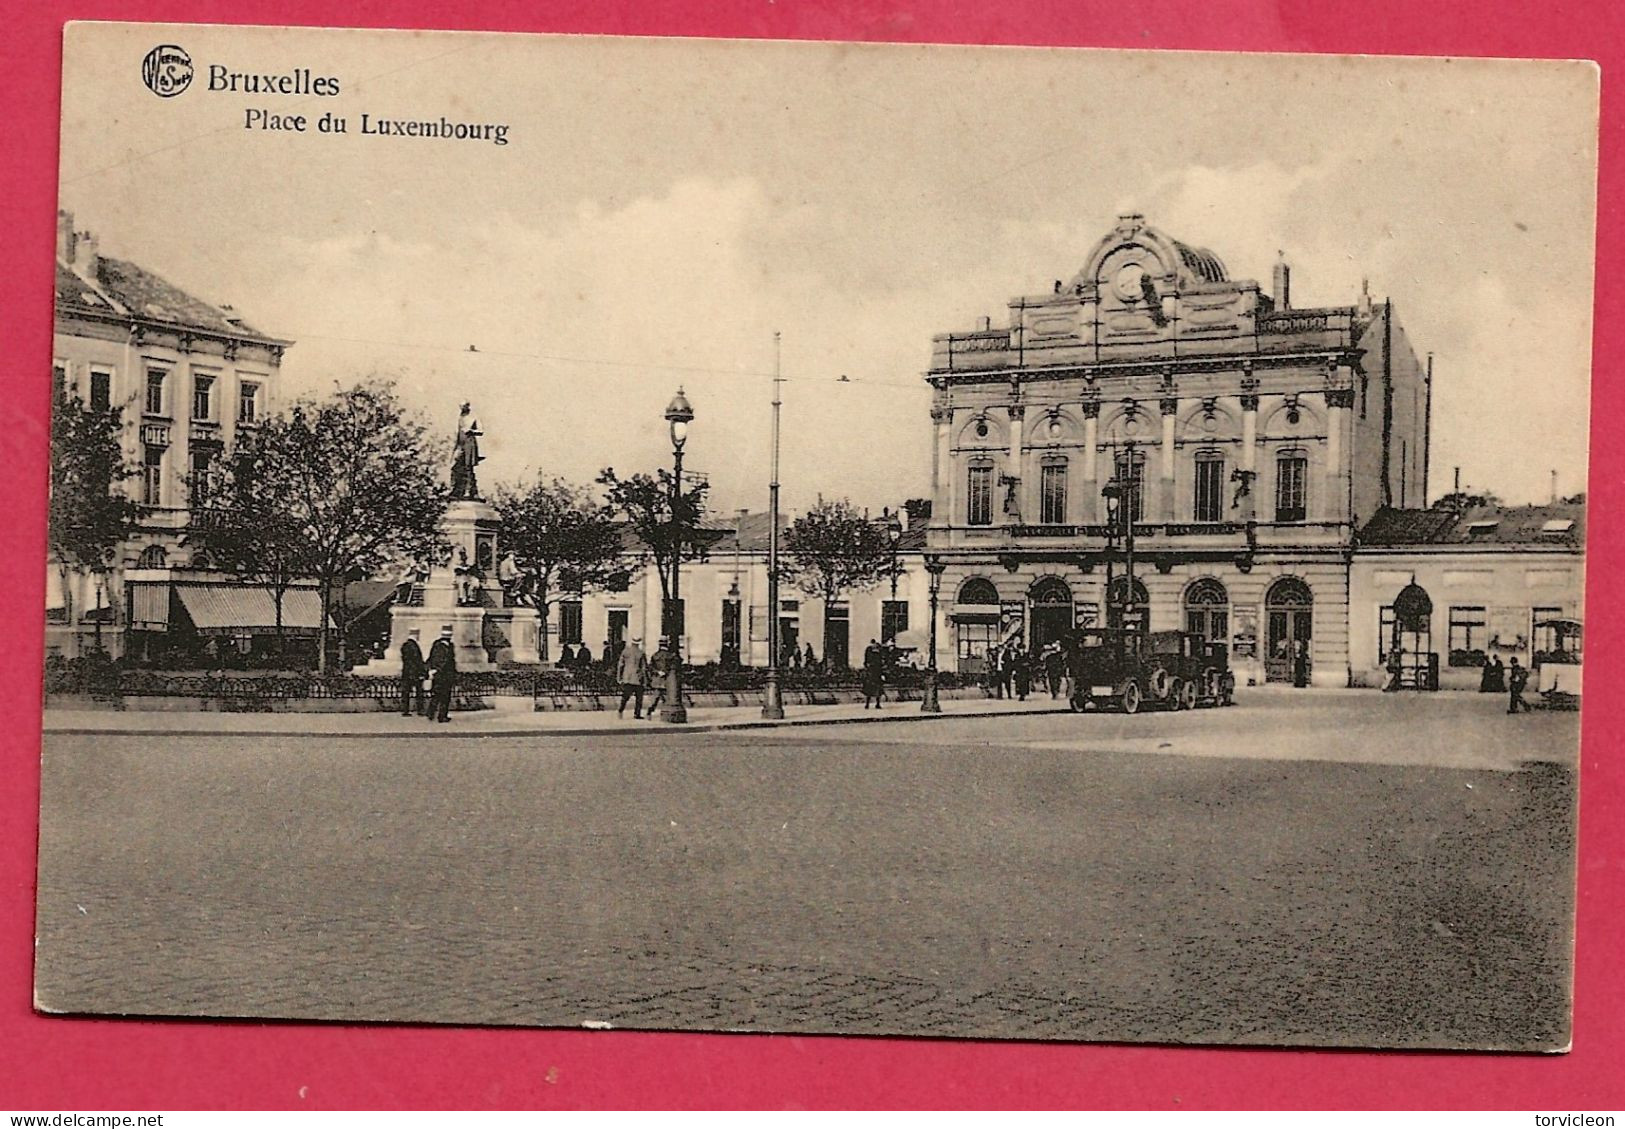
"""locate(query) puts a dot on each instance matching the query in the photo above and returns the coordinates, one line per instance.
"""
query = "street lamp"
(894, 534)
(1113, 493)
(678, 414)
(928, 703)
(772, 696)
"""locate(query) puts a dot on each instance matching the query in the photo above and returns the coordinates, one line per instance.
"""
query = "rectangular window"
(1052, 498)
(1469, 631)
(730, 626)
(203, 398)
(893, 619)
(152, 476)
(1544, 638)
(979, 496)
(1385, 631)
(59, 376)
(101, 390)
(1291, 488)
(570, 623)
(972, 642)
(248, 403)
(155, 393)
(1208, 504)
(202, 459)
(1131, 476)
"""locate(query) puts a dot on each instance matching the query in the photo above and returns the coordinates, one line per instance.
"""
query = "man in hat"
(413, 671)
(660, 664)
(631, 671)
(443, 675)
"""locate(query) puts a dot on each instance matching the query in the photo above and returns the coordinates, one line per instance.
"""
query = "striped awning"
(232, 610)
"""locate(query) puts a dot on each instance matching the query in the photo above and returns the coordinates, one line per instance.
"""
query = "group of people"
(635, 673)
(1012, 670)
(427, 683)
(1510, 679)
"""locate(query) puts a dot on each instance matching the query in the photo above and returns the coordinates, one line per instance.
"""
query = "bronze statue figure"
(466, 457)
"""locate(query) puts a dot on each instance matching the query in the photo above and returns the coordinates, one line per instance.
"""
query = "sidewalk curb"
(636, 728)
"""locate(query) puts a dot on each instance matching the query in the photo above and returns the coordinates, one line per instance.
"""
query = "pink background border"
(62, 1064)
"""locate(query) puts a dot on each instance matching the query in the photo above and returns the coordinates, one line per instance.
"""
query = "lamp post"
(772, 697)
(678, 414)
(1113, 493)
(894, 534)
(928, 702)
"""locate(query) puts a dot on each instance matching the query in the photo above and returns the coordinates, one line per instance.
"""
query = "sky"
(663, 207)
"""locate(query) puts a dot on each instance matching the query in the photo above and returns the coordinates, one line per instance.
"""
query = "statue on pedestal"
(466, 457)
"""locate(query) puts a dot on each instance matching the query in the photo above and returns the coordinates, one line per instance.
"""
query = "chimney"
(987, 324)
(1283, 282)
(64, 235)
(85, 254)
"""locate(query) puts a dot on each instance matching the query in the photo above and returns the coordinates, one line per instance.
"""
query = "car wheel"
(1131, 697)
(1187, 695)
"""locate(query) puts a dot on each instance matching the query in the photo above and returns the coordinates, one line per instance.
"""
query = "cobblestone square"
(1321, 868)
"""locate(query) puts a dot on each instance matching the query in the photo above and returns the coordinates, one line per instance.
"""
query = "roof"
(1204, 264)
(127, 291)
(1561, 524)
(747, 533)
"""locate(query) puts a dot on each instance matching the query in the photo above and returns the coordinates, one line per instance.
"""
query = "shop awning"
(974, 613)
(230, 610)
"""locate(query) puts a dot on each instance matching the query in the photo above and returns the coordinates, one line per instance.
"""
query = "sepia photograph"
(816, 538)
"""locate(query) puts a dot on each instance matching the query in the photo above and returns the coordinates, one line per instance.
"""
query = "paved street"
(1326, 867)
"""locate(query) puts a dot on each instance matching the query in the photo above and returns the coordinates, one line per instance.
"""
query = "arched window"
(200, 560)
(1207, 610)
(1049, 591)
(153, 556)
(978, 590)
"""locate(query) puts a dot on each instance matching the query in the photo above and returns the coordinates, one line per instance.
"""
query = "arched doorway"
(1290, 608)
(1051, 612)
(1207, 610)
(1117, 602)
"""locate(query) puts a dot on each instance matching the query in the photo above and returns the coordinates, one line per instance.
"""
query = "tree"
(1462, 500)
(245, 514)
(562, 535)
(834, 549)
(89, 515)
(646, 503)
(362, 488)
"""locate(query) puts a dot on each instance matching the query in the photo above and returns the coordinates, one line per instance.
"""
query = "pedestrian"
(1495, 676)
(631, 671)
(442, 675)
(1517, 679)
(660, 664)
(583, 661)
(413, 673)
(567, 657)
(1054, 667)
(1022, 672)
(1396, 669)
(807, 659)
(1300, 664)
(874, 673)
(1007, 671)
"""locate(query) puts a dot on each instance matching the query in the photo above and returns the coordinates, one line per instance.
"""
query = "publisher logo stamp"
(167, 70)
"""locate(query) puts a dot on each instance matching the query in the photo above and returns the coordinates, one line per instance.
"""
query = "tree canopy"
(645, 501)
(562, 535)
(89, 516)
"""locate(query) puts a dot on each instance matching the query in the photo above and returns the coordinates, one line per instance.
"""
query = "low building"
(1492, 575)
(726, 605)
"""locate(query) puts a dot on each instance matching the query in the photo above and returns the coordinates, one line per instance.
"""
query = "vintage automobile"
(1128, 670)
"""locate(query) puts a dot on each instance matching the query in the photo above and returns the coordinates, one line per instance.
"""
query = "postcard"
(819, 538)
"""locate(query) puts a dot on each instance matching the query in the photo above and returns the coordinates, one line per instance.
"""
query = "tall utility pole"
(772, 698)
